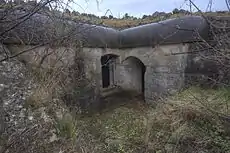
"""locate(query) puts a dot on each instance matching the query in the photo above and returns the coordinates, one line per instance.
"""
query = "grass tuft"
(66, 127)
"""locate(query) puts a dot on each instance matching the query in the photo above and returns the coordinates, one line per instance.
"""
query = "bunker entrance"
(108, 67)
(134, 75)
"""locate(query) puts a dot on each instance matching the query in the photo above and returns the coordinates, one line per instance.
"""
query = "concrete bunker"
(108, 68)
(134, 75)
(98, 40)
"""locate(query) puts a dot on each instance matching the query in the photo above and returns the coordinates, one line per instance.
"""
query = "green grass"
(66, 127)
(186, 122)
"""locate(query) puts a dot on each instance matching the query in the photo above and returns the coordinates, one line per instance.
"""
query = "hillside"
(191, 121)
(42, 89)
(131, 22)
(108, 20)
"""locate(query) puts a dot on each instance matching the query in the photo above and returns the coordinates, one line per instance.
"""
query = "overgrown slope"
(187, 122)
(195, 120)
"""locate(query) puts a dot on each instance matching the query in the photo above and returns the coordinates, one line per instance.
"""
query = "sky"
(139, 7)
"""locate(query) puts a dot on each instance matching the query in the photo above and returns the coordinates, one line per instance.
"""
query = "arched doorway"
(134, 75)
(108, 67)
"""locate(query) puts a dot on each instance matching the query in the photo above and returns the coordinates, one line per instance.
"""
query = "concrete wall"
(165, 66)
(45, 56)
(129, 74)
(68, 63)
(166, 74)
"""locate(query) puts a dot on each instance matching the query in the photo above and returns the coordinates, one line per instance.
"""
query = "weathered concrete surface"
(45, 56)
(166, 75)
(66, 67)
(141, 64)
(151, 60)
(41, 29)
(129, 74)
(164, 70)
(153, 72)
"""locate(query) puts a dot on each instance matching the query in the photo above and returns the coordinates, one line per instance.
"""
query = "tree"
(104, 17)
(33, 3)
(144, 16)
(126, 16)
(110, 17)
(67, 11)
(175, 11)
(75, 13)
(183, 11)
(2, 2)
(17, 2)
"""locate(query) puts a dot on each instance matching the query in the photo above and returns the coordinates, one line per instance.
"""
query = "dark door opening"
(107, 69)
(136, 73)
(143, 69)
(105, 76)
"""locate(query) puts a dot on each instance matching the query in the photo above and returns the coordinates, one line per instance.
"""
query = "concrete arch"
(135, 57)
(142, 53)
(133, 74)
(109, 52)
(114, 52)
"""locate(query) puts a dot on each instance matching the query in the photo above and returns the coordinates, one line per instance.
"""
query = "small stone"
(53, 138)
(20, 106)
(2, 86)
(30, 118)
(22, 115)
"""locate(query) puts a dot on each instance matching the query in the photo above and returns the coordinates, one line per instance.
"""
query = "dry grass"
(66, 127)
(126, 23)
(182, 124)
(189, 122)
(48, 82)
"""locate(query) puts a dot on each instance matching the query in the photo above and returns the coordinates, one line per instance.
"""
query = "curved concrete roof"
(40, 29)
(178, 30)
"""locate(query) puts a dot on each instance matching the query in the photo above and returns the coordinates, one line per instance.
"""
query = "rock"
(53, 137)
(30, 118)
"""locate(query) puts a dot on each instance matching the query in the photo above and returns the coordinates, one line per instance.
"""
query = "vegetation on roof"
(108, 19)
